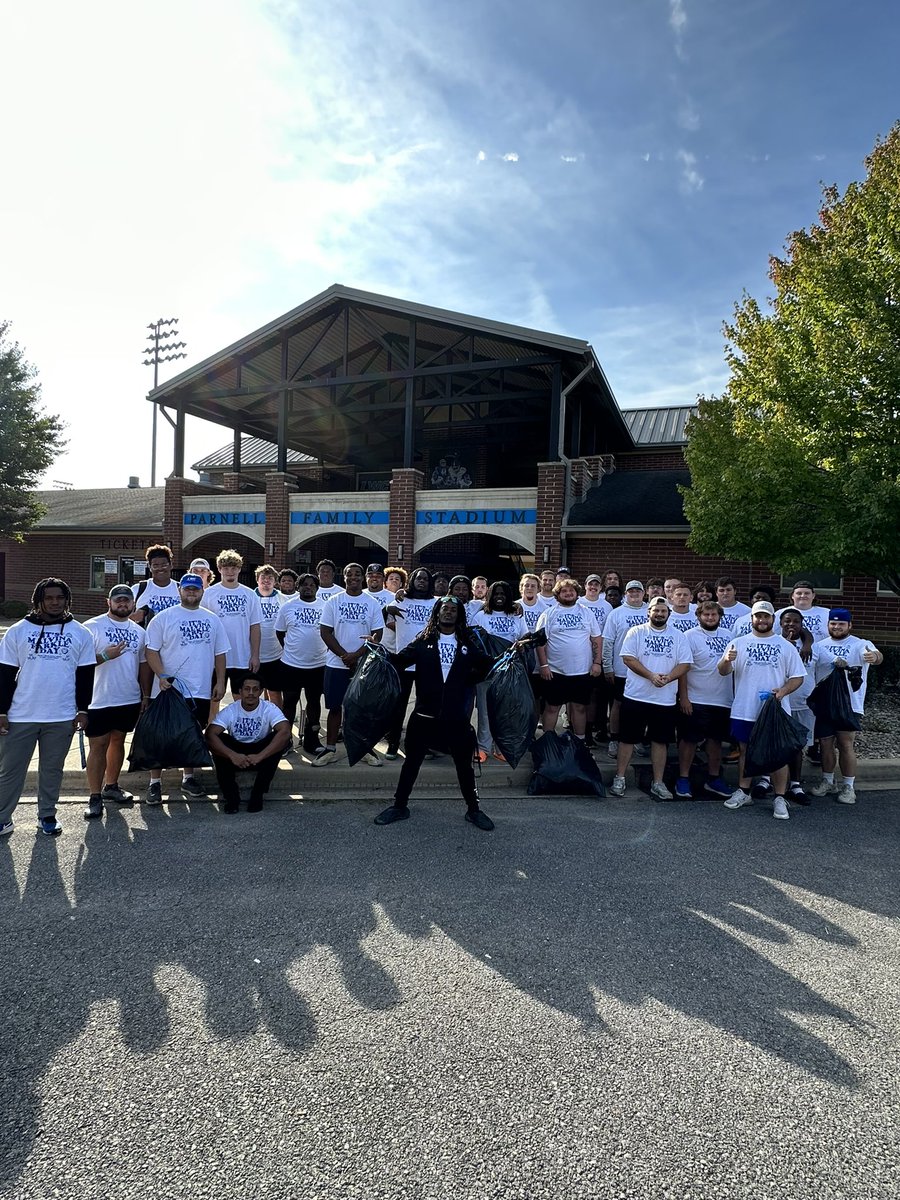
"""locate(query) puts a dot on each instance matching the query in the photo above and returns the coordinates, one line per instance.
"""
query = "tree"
(29, 439)
(797, 463)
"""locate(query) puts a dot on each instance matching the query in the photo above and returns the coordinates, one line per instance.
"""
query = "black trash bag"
(512, 714)
(563, 766)
(830, 701)
(168, 735)
(488, 643)
(369, 704)
(775, 739)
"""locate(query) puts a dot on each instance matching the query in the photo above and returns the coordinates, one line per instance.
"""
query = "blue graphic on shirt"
(230, 606)
(350, 611)
(447, 651)
(637, 619)
(195, 632)
(305, 616)
(158, 604)
(763, 652)
(247, 729)
(50, 645)
(269, 608)
(126, 633)
(418, 614)
(501, 624)
(839, 651)
(568, 620)
(658, 643)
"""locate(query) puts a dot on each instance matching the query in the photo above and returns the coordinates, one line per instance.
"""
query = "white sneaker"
(617, 787)
(847, 795)
(780, 809)
(822, 788)
(324, 758)
(371, 759)
(613, 750)
(659, 791)
(738, 799)
(642, 750)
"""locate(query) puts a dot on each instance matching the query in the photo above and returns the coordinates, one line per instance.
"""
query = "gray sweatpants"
(16, 748)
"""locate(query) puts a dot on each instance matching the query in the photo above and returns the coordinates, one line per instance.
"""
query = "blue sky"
(618, 171)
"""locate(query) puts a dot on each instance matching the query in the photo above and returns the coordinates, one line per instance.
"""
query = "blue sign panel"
(224, 518)
(477, 516)
(351, 517)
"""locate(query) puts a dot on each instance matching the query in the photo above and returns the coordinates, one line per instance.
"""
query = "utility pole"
(156, 351)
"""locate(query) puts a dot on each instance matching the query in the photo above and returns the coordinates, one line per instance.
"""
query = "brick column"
(173, 515)
(234, 482)
(279, 489)
(405, 483)
(551, 507)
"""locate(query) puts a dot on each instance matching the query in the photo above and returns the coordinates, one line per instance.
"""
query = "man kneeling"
(248, 735)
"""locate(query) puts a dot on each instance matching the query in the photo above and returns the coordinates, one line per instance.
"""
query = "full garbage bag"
(168, 735)
(775, 739)
(830, 701)
(370, 702)
(512, 714)
(563, 766)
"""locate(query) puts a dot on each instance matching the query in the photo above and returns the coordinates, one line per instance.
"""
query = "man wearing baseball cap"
(763, 665)
(122, 682)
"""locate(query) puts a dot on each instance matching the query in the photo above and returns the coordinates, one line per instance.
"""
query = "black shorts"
(236, 677)
(337, 680)
(120, 718)
(271, 675)
(565, 689)
(706, 721)
(825, 728)
(643, 722)
(618, 688)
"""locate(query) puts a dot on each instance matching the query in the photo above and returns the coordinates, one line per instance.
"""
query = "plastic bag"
(563, 766)
(775, 739)
(370, 702)
(830, 701)
(168, 735)
(512, 715)
(488, 643)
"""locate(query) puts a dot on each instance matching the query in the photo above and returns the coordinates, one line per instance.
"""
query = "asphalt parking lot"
(601, 998)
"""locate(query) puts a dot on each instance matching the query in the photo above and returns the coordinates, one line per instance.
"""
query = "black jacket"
(451, 700)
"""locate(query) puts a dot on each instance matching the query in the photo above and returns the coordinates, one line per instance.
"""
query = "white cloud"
(480, 156)
(688, 117)
(572, 158)
(511, 157)
(691, 179)
(677, 23)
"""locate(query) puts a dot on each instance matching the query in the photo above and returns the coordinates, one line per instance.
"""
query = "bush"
(14, 608)
(887, 675)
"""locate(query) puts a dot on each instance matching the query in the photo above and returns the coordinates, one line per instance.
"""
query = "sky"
(613, 170)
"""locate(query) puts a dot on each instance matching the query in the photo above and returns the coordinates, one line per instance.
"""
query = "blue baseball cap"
(191, 581)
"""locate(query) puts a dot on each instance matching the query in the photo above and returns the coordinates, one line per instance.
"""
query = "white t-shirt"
(473, 607)
(798, 699)
(530, 612)
(247, 726)
(600, 606)
(683, 622)
(299, 621)
(730, 616)
(269, 645)
(325, 593)
(116, 681)
(744, 626)
(188, 641)
(238, 608)
(156, 598)
(385, 596)
(762, 664)
(851, 649)
(447, 649)
(660, 651)
(352, 619)
(569, 632)
(507, 626)
(45, 684)
(618, 623)
(416, 615)
(815, 619)
(704, 683)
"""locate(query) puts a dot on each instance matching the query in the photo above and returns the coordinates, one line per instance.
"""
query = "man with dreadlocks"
(447, 665)
(46, 680)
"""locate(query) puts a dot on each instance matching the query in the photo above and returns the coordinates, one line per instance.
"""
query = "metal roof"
(255, 452)
(102, 508)
(659, 426)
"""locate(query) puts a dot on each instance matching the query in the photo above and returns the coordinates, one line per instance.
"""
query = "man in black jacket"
(447, 667)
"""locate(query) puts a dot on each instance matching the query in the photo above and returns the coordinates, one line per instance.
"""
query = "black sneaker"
(796, 795)
(112, 791)
(94, 807)
(762, 790)
(392, 814)
(392, 752)
(479, 819)
(254, 805)
(192, 787)
(154, 792)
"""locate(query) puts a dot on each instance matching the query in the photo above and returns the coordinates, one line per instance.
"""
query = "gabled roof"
(632, 500)
(103, 508)
(255, 452)
(659, 426)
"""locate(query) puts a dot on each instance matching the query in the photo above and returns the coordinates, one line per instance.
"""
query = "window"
(131, 570)
(882, 589)
(98, 573)
(825, 582)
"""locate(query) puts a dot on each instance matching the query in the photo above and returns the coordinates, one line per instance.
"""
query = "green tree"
(29, 439)
(797, 463)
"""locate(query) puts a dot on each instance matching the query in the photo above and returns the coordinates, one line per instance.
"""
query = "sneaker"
(192, 787)
(254, 805)
(659, 791)
(94, 808)
(324, 757)
(762, 790)
(481, 757)
(732, 756)
(847, 795)
(642, 750)
(796, 794)
(50, 826)
(6, 828)
(717, 787)
(683, 790)
(395, 813)
(112, 791)
(780, 809)
(589, 741)
(612, 749)
(392, 752)
(154, 792)
(371, 759)
(822, 788)
(479, 819)
(617, 787)
(738, 799)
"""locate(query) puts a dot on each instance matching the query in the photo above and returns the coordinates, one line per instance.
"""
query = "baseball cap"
(374, 569)
(190, 581)
(633, 583)
(656, 601)
(762, 606)
(593, 579)
(121, 589)
(839, 614)
(563, 571)
(200, 562)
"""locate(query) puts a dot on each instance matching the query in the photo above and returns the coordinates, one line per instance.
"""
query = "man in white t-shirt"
(328, 585)
(704, 703)
(122, 682)
(270, 602)
(46, 678)
(683, 615)
(571, 660)
(815, 616)
(186, 647)
(248, 735)
(349, 620)
(375, 585)
(732, 608)
(548, 583)
(238, 608)
(842, 651)
(764, 664)
(158, 592)
(628, 615)
(303, 658)
(655, 656)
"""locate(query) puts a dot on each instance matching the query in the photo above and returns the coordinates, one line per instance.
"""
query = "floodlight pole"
(155, 343)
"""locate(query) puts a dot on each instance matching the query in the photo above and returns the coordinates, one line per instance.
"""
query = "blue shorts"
(741, 730)
(337, 680)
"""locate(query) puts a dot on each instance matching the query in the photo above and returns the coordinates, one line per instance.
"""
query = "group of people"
(641, 667)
